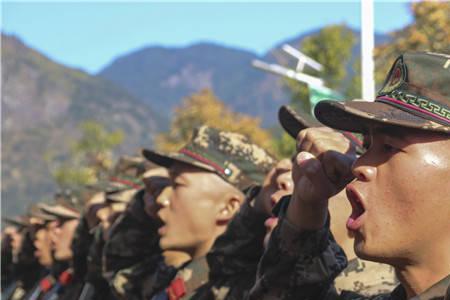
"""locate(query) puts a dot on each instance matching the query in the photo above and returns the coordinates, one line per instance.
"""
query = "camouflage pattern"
(187, 281)
(306, 265)
(143, 280)
(94, 274)
(234, 257)
(83, 238)
(230, 155)
(416, 94)
(134, 236)
(132, 258)
(293, 122)
(60, 211)
(126, 174)
(298, 266)
(366, 278)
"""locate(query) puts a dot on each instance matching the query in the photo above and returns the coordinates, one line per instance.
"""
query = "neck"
(419, 276)
(203, 248)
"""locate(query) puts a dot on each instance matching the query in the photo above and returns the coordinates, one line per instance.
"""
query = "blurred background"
(83, 83)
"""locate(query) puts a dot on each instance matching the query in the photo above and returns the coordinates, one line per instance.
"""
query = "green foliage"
(430, 31)
(332, 47)
(285, 146)
(90, 158)
(204, 108)
(353, 90)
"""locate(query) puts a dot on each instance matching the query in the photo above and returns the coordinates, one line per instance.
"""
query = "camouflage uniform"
(242, 164)
(304, 265)
(81, 242)
(26, 270)
(94, 276)
(133, 238)
(143, 280)
(234, 257)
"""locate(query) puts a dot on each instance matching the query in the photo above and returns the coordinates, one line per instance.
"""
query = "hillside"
(42, 105)
(161, 76)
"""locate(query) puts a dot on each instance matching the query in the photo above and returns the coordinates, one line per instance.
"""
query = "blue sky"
(89, 35)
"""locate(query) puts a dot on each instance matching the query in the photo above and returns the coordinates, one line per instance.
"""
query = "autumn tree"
(430, 31)
(332, 47)
(90, 157)
(204, 108)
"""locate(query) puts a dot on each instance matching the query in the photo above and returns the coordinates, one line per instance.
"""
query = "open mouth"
(354, 222)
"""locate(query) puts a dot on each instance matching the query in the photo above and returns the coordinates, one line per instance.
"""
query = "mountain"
(42, 105)
(161, 76)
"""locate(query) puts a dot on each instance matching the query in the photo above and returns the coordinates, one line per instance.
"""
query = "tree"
(204, 108)
(332, 47)
(430, 31)
(90, 159)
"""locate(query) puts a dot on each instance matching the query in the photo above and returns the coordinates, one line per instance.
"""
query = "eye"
(389, 148)
(367, 141)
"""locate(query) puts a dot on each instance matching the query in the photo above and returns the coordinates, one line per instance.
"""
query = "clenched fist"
(321, 168)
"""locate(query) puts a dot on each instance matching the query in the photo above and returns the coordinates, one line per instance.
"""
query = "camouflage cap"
(17, 221)
(294, 121)
(60, 211)
(230, 155)
(37, 212)
(416, 94)
(126, 175)
(123, 196)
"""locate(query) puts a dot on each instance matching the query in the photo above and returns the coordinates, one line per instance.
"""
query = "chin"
(363, 251)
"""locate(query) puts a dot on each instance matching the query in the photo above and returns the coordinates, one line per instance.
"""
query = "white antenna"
(302, 58)
(283, 71)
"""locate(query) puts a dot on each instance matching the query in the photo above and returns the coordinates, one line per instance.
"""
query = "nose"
(363, 171)
(284, 182)
(163, 199)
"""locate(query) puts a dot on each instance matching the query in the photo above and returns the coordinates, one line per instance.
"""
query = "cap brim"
(293, 122)
(359, 116)
(19, 222)
(122, 196)
(59, 211)
(168, 160)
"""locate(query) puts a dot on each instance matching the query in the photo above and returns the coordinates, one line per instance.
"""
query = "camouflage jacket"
(94, 274)
(234, 258)
(134, 237)
(305, 265)
(83, 238)
(228, 271)
(188, 282)
(143, 280)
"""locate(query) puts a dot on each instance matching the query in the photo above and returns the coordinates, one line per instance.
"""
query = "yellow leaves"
(204, 108)
(430, 31)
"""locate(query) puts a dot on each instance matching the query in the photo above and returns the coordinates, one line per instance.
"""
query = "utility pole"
(367, 47)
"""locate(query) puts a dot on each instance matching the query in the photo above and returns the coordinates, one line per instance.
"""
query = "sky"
(90, 35)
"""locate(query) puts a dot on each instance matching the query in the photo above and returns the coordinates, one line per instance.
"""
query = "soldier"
(11, 243)
(120, 188)
(234, 257)
(29, 263)
(12, 240)
(133, 250)
(364, 277)
(61, 235)
(399, 215)
(208, 176)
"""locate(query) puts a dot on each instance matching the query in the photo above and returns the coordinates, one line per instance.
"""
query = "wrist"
(307, 215)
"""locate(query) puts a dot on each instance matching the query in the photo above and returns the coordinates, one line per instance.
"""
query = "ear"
(229, 206)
